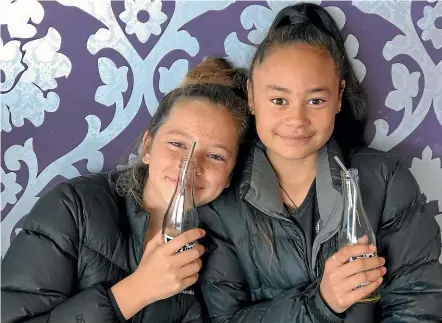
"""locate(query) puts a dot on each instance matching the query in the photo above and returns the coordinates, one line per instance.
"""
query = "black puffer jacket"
(245, 280)
(79, 240)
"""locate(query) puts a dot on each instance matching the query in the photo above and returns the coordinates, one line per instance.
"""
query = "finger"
(358, 294)
(153, 243)
(183, 239)
(186, 257)
(363, 239)
(362, 278)
(359, 265)
(190, 269)
(357, 250)
(189, 281)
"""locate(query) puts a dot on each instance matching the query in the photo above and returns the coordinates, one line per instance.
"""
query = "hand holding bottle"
(162, 272)
(346, 282)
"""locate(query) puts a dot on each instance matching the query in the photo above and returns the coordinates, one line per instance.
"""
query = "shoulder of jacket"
(379, 163)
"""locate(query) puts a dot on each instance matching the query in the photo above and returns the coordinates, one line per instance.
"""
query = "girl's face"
(215, 131)
(295, 94)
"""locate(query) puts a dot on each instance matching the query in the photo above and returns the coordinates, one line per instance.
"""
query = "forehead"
(203, 120)
(296, 65)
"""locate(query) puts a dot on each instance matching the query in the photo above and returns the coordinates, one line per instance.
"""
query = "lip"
(174, 181)
(296, 140)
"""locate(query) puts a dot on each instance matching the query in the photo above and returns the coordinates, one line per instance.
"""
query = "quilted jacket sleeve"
(226, 292)
(410, 241)
(39, 269)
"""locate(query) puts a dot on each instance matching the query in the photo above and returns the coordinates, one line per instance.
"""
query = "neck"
(293, 173)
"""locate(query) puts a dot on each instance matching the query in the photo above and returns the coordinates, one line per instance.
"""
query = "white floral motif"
(428, 173)
(26, 101)
(115, 80)
(407, 87)
(406, 42)
(352, 48)
(5, 115)
(143, 30)
(170, 78)
(44, 63)
(16, 15)
(10, 63)
(427, 24)
(10, 188)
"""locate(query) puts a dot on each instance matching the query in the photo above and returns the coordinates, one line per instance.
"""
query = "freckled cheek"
(216, 175)
(165, 159)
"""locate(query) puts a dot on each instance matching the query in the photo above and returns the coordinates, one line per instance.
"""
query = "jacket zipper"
(298, 229)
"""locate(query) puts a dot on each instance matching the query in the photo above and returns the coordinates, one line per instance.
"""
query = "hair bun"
(308, 14)
(213, 70)
(290, 16)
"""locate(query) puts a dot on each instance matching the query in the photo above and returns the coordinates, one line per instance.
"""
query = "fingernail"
(372, 247)
(202, 232)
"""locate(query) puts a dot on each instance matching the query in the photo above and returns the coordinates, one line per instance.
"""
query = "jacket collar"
(260, 188)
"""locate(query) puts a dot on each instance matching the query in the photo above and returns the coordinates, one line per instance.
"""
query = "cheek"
(323, 120)
(161, 158)
(267, 120)
(218, 176)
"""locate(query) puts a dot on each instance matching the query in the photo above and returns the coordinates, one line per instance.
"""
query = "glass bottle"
(181, 214)
(355, 227)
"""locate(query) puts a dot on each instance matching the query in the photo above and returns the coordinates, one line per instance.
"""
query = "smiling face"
(215, 132)
(295, 94)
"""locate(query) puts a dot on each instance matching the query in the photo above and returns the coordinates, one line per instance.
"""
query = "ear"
(146, 149)
(250, 97)
(341, 92)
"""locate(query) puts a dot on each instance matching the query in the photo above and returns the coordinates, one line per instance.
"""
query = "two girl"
(90, 250)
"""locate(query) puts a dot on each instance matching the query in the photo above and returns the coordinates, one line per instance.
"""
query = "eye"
(279, 101)
(316, 102)
(216, 157)
(177, 144)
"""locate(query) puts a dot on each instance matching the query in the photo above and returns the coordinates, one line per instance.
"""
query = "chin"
(298, 153)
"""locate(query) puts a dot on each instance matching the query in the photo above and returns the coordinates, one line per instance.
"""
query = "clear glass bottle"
(355, 226)
(181, 214)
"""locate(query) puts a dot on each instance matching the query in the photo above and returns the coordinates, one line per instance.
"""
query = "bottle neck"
(350, 187)
(186, 178)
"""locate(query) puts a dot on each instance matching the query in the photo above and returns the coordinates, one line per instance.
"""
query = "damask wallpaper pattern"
(81, 78)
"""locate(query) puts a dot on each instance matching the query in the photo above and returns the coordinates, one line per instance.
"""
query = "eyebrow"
(278, 88)
(288, 91)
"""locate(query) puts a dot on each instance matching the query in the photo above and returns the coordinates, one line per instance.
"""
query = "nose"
(297, 115)
(199, 169)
